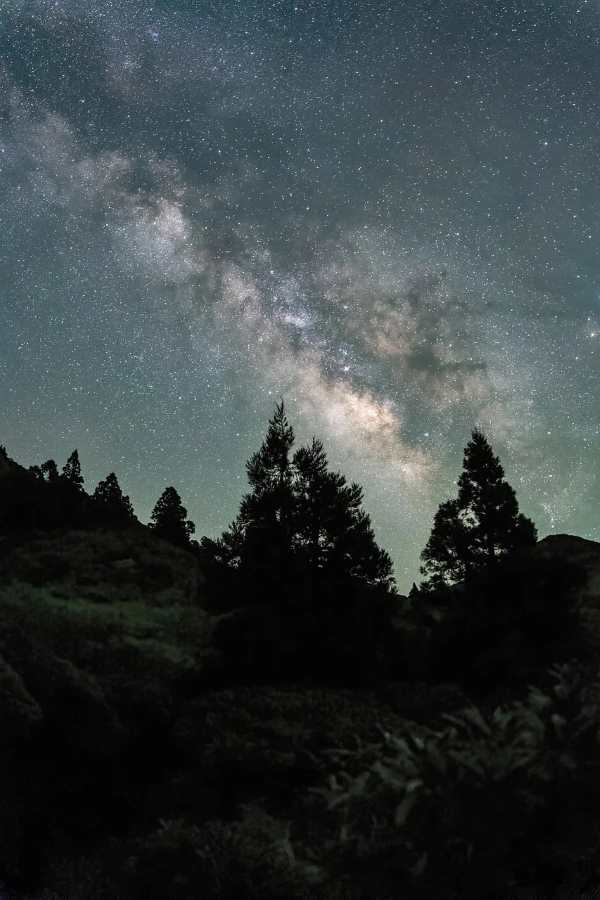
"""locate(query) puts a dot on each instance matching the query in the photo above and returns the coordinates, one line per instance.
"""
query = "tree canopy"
(169, 518)
(482, 525)
(72, 470)
(115, 505)
(300, 517)
(49, 470)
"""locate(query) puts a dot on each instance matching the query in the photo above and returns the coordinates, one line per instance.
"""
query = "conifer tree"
(481, 526)
(115, 505)
(331, 528)
(301, 556)
(299, 519)
(316, 491)
(261, 535)
(72, 470)
(269, 474)
(169, 519)
(49, 470)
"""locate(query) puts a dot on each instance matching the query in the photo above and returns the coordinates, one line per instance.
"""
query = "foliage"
(31, 501)
(250, 858)
(20, 714)
(344, 641)
(509, 623)
(115, 564)
(300, 521)
(332, 532)
(104, 638)
(472, 809)
(481, 526)
(72, 470)
(49, 470)
(265, 513)
(109, 723)
(116, 507)
(314, 590)
(169, 519)
(265, 744)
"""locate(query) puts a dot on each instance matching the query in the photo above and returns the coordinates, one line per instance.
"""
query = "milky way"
(386, 213)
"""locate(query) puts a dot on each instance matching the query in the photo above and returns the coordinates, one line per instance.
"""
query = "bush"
(20, 714)
(343, 638)
(262, 644)
(509, 624)
(251, 858)
(474, 808)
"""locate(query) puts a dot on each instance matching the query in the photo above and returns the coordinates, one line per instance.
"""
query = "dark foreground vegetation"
(264, 716)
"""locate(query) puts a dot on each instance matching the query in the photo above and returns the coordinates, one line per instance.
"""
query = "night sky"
(387, 213)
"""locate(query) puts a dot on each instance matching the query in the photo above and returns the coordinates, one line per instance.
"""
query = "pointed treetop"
(169, 518)
(72, 470)
(300, 514)
(481, 525)
(272, 460)
(480, 464)
(115, 503)
(312, 459)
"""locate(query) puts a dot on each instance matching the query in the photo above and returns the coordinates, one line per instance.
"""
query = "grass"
(106, 599)
(106, 566)
(68, 624)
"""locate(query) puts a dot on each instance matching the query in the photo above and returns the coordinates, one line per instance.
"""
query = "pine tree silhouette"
(49, 470)
(316, 491)
(270, 477)
(312, 592)
(260, 538)
(331, 528)
(115, 505)
(72, 470)
(481, 526)
(299, 519)
(169, 519)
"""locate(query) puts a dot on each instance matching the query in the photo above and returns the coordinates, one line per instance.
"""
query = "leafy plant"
(251, 858)
(475, 807)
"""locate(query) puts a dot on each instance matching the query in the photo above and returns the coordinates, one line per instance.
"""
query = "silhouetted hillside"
(29, 501)
(105, 566)
(584, 553)
(171, 713)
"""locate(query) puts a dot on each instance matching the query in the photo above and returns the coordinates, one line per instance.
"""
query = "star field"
(388, 214)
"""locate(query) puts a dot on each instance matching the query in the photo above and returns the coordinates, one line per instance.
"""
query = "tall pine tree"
(115, 506)
(299, 519)
(260, 537)
(481, 526)
(270, 476)
(331, 528)
(72, 470)
(169, 519)
(313, 590)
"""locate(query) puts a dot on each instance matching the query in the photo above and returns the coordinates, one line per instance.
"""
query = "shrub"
(344, 641)
(474, 808)
(509, 624)
(20, 714)
(251, 858)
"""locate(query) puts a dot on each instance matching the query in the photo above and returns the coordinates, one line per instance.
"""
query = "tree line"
(298, 582)
(299, 516)
(168, 519)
